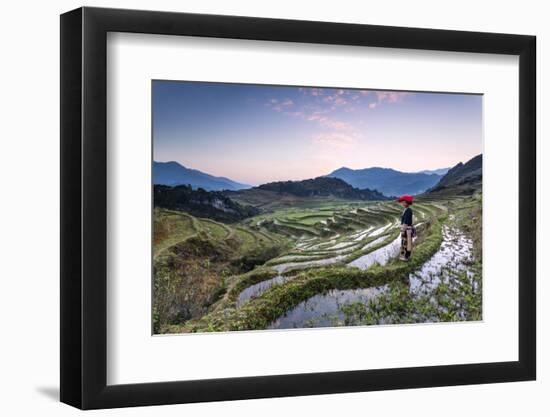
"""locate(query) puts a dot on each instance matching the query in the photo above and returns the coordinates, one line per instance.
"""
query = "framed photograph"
(258, 208)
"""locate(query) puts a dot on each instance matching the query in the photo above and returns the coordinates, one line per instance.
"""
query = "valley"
(319, 261)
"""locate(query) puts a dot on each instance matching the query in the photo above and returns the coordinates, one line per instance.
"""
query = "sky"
(259, 133)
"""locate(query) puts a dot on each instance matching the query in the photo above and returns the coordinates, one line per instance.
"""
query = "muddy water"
(380, 256)
(322, 309)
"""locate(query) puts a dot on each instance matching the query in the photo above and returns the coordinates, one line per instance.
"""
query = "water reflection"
(323, 310)
(259, 288)
(455, 254)
(380, 256)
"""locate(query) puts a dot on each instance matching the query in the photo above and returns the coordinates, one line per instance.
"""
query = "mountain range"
(230, 205)
(173, 173)
(440, 171)
(389, 182)
(363, 184)
(463, 178)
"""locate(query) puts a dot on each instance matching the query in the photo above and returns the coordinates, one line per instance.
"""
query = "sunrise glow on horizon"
(256, 134)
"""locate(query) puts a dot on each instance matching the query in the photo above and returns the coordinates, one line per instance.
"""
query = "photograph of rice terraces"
(292, 207)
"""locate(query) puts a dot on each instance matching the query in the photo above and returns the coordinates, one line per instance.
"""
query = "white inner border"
(134, 356)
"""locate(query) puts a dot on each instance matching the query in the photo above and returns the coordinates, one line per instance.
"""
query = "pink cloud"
(328, 122)
(316, 117)
(391, 96)
(323, 104)
(335, 140)
(278, 105)
(388, 97)
(334, 124)
(340, 101)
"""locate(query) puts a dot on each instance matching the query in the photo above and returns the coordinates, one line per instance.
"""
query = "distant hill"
(201, 203)
(324, 187)
(276, 195)
(462, 178)
(440, 171)
(386, 180)
(173, 173)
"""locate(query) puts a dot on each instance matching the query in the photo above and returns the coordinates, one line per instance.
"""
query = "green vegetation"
(398, 306)
(199, 202)
(170, 228)
(193, 260)
(458, 297)
(207, 273)
(260, 312)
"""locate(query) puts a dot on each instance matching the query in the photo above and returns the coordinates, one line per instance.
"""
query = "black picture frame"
(84, 207)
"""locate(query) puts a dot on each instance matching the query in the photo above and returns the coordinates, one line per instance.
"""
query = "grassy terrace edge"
(259, 313)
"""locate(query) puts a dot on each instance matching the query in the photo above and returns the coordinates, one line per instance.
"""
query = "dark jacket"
(407, 217)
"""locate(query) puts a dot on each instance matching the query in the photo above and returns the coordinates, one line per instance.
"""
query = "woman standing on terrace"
(406, 227)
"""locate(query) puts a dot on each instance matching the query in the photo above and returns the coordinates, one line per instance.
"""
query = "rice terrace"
(315, 250)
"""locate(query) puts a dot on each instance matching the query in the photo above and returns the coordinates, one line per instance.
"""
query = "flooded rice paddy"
(259, 288)
(380, 256)
(455, 254)
(340, 250)
(325, 310)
